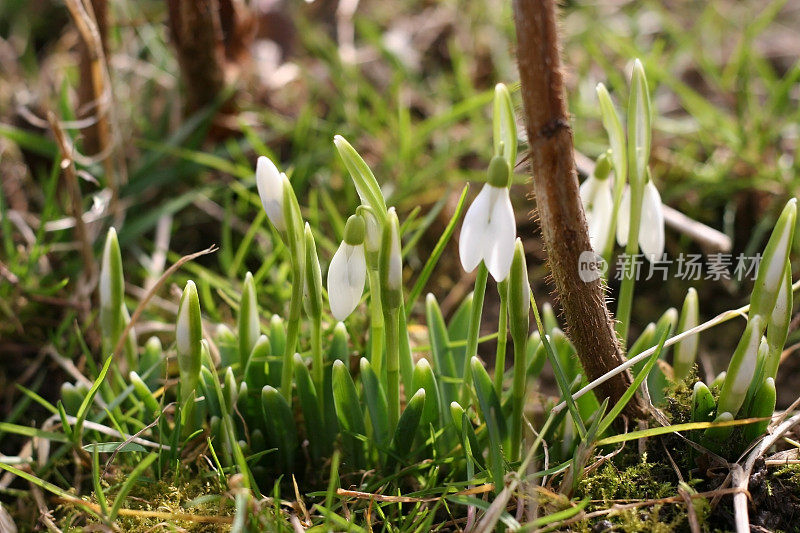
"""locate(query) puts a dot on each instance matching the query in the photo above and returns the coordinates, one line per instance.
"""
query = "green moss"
(197, 494)
(641, 480)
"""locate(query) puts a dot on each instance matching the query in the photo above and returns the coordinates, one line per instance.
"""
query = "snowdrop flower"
(270, 188)
(348, 270)
(598, 204)
(651, 223)
(489, 227)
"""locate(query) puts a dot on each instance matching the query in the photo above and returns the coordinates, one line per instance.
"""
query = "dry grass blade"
(68, 166)
(83, 15)
(158, 284)
(481, 489)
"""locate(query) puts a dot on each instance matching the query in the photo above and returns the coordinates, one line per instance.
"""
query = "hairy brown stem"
(555, 185)
(196, 31)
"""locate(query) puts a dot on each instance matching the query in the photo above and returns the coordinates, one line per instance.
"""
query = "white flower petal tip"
(488, 232)
(270, 188)
(599, 215)
(346, 277)
(651, 229)
(624, 217)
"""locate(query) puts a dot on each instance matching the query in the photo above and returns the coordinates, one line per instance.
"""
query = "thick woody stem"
(555, 185)
(196, 32)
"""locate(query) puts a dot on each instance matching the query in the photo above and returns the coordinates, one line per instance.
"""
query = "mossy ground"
(193, 493)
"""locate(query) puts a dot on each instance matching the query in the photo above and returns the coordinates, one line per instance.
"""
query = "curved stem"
(292, 332)
(318, 368)
(629, 269)
(392, 367)
(376, 327)
(474, 329)
(502, 339)
(518, 394)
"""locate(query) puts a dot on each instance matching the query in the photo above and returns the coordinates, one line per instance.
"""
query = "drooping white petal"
(651, 230)
(270, 188)
(624, 217)
(600, 220)
(473, 231)
(500, 234)
(588, 190)
(346, 276)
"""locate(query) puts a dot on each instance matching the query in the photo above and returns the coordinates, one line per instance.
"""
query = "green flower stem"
(393, 366)
(474, 329)
(518, 394)
(502, 339)
(376, 327)
(406, 360)
(292, 331)
(318, 368)
(628, 276)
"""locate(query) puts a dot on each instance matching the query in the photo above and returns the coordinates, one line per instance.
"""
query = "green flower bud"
(152, 408)
(771, 270)
(503, 125)
(616, 135)
(778, 325)
(603, 166)
(152, 362)
(498, 174)
(703, 405)
(391, 263)
(372, 237)
(639, 129)
(112, 290)
(715, 436)
(763, 407)
(72, 397)
(423, 378)
(294, 223)
(686, 349)
(519, 296)
(366, 185)
(188, 337)
(249, 327)
(718, 381)
(741, 368)
(228, 345)
(313, 278)
(354, 230)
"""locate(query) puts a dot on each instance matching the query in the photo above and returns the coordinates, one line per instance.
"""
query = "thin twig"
(83, 16)
(76, 200)
(139, 308)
